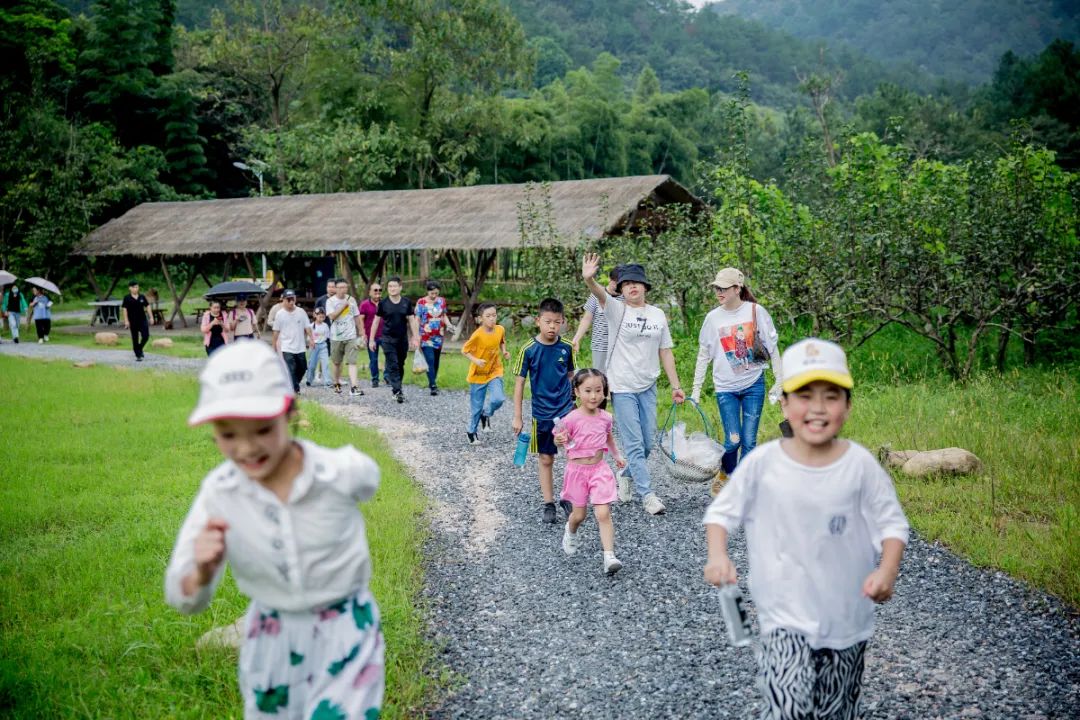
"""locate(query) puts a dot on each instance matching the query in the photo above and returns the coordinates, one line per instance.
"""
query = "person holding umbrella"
(14, 307)
(134, 307)
(41, 311)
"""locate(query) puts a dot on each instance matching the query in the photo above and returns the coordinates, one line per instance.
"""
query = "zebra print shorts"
(800, 683)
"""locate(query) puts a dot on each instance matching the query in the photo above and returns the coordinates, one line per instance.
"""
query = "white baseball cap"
(727, 277)
(243, 380)
(814, 359)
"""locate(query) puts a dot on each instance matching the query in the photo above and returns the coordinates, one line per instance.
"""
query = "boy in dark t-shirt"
(548, 361)
(135, 307)
(400, 330)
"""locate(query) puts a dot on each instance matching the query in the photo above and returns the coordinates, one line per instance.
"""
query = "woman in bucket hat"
(639, 342)
(739, 339)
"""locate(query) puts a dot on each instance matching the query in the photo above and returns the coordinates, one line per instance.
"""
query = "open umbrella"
(233, 288)
(43, 284)
(6, 278)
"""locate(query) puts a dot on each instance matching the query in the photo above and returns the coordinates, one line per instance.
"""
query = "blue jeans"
(485, 399)
(635, 417)
(13, 323)
(320, 355)
(740, 412)
(432, 355)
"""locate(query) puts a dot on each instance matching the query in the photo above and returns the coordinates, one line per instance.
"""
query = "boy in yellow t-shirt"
(485, 350)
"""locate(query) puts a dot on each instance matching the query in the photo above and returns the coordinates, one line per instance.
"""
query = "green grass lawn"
(99, 470)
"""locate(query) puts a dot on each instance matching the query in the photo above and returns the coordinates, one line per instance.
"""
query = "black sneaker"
(374, 383)
(400, 397)
(354, 391)
(567, 508)
(485, 422)
(138, 359)
(549, 513)
(308, 383)
(337, 388)
(434, 391)
(472, 438)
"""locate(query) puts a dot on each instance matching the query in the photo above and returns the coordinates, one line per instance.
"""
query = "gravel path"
(122, 356)
(534, 634)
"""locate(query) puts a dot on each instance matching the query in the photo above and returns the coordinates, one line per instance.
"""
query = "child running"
(548, 361)
(485, 349)
(586, 433)
(816, 510)
(283, 513)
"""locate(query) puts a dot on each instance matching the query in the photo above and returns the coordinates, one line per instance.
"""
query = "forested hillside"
(123, 104)
(960, 41)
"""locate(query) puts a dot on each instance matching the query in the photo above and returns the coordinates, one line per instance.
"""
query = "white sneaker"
(652, 504)
(612, 564)
(569, 541)
(626, 493)
(46, 338)
(40, 341)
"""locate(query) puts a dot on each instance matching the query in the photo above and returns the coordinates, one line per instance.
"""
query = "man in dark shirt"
(135, 307)
(400, 331)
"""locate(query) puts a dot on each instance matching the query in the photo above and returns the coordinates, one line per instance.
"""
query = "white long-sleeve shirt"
(726, 340)
(813, 534)
(291, 556)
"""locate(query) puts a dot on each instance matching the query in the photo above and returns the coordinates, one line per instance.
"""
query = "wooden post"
(425, 264)
(172, 291)
(228, 267)
(347, 272)
(250, 269)
(470, 291)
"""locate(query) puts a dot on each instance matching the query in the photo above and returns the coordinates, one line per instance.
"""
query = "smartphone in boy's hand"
(785, 429)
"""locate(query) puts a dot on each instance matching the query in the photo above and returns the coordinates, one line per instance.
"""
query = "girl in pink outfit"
(586, 434)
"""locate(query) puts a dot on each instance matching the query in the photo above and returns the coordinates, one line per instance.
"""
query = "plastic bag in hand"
(419, 364)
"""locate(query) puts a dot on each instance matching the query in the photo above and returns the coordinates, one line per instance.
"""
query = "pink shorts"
(584, 484)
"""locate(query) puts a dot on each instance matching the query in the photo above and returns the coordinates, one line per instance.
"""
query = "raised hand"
(590, 265)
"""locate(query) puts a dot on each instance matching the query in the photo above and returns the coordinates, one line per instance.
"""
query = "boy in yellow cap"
(817, 511)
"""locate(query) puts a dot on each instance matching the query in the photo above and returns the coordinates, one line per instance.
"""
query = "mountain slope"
(960, 41)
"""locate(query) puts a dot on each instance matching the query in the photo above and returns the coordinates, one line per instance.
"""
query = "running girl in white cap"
(283, 513)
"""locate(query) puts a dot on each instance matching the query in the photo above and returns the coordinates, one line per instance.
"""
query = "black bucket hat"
(632, 272)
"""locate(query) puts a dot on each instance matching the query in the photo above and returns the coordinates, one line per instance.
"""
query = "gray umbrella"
(6, 278)
(44, 284)
(233, 288)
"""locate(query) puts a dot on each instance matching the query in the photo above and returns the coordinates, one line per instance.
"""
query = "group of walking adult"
(14, 307)
(631, 343)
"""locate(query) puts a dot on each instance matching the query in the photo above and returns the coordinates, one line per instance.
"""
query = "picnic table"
(107, 311)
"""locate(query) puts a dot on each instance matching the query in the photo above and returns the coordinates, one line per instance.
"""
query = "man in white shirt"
(292, 337)
(639, 341)
(346, 334)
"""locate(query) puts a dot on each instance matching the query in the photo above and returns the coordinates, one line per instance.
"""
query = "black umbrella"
(234, 288)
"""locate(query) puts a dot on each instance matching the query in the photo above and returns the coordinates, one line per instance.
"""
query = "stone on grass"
(528, 321)
(226, 636)
(947, 461)
(106, 338)
(84, 364)
(304, 423)
(920, 463)
(161, 342)
(507, 322)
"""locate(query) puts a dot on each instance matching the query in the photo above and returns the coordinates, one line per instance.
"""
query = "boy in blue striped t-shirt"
(548, 361)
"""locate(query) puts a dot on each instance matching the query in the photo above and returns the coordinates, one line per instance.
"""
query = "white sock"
(609, 554)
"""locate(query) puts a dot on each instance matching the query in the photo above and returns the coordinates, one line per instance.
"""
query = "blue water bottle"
(521, 452)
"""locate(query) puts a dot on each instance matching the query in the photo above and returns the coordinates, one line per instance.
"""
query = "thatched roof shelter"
(480, 218)
(462, 218)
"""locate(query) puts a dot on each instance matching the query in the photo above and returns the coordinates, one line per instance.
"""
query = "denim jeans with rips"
(740, 412)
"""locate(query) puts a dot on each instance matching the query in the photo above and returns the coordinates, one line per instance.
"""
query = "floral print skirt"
(324, 664)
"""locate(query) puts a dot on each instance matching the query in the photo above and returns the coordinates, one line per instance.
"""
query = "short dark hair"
(394, 278)
(338, 280)
(133, 283)
(431, 285)
(551, 305)
(613, 273)
(482, 307)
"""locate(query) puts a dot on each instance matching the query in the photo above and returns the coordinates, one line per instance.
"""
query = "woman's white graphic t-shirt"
(728, 337)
